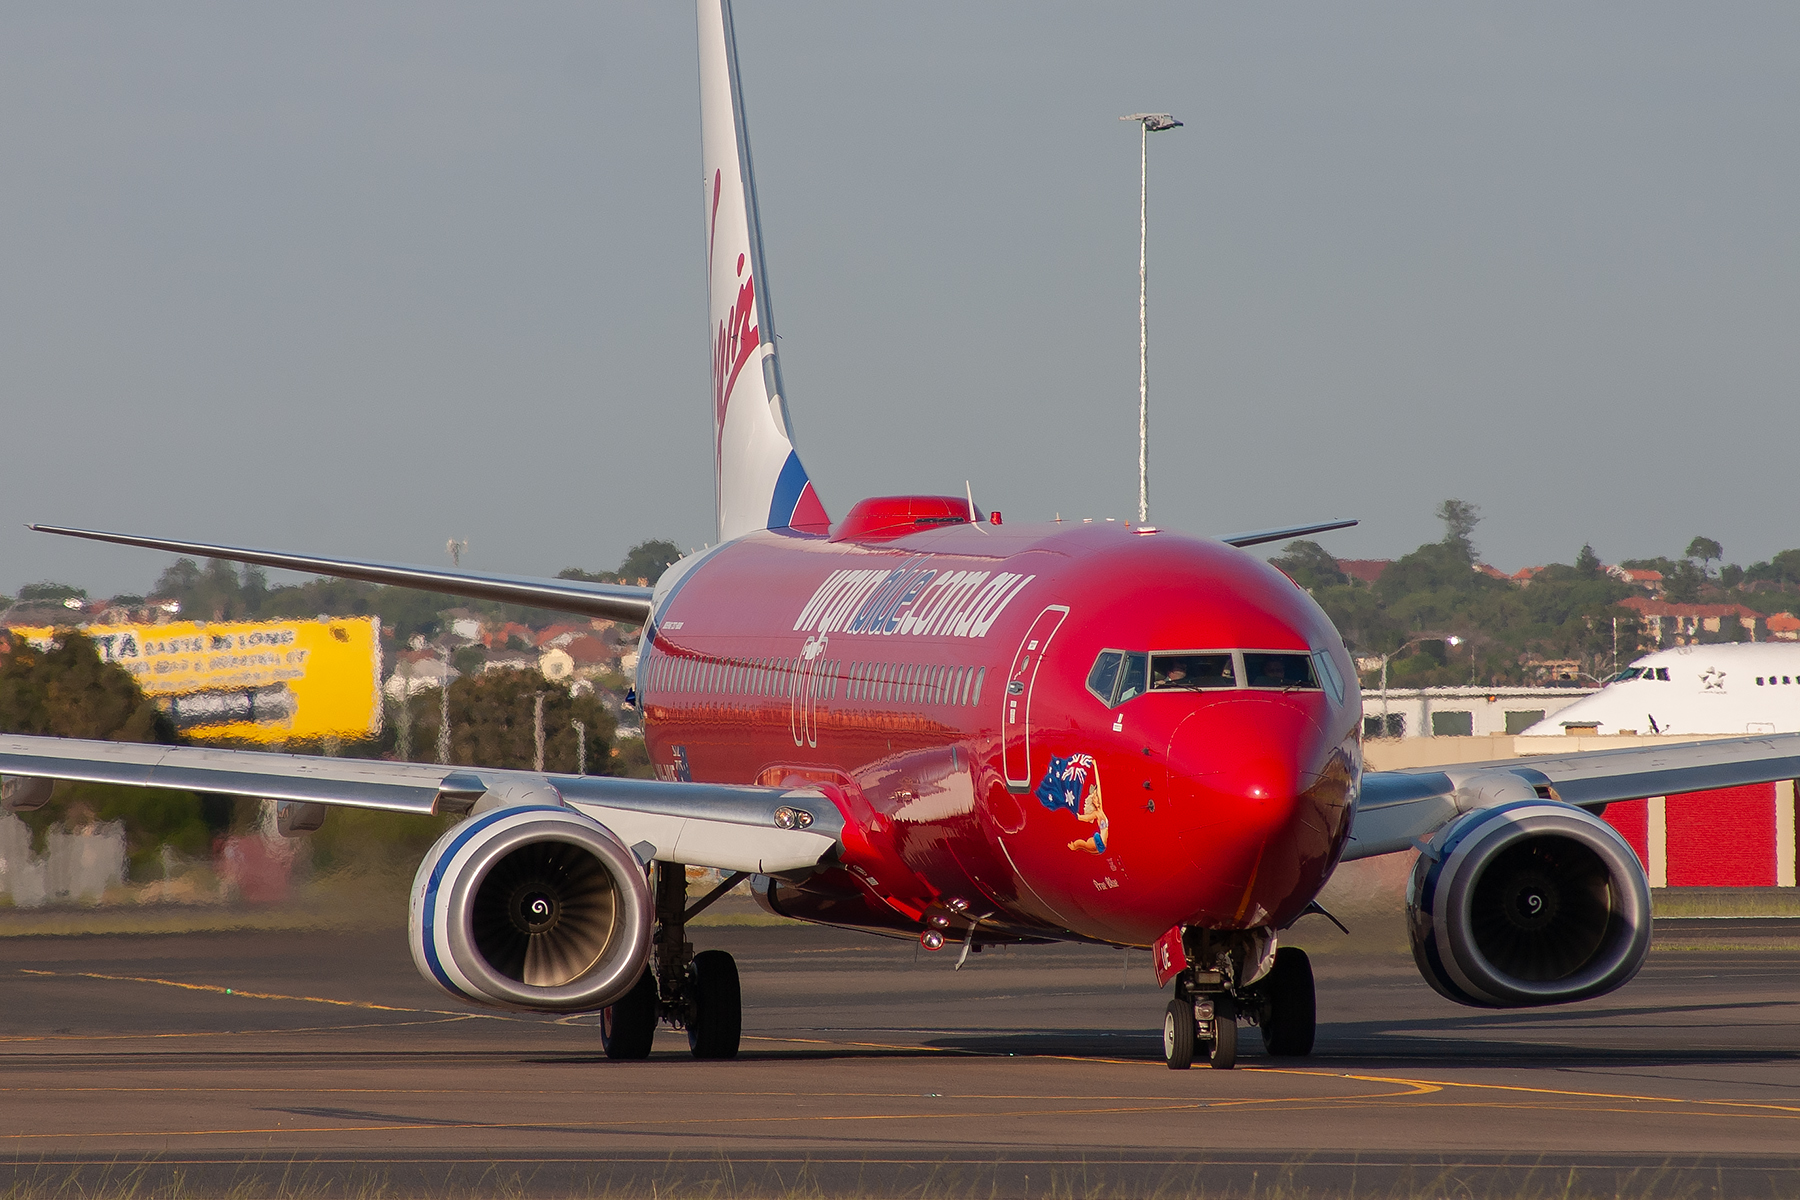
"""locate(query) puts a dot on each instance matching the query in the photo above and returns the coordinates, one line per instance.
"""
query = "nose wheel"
(1203, 1026)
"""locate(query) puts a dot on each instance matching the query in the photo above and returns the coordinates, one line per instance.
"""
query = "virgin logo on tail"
(737, 337)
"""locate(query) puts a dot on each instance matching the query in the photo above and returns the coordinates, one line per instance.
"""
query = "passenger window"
(1662, 673)
(1189, 672)
(1132, 677)
(1280, 671)
(1630, 673)
(1105, 675)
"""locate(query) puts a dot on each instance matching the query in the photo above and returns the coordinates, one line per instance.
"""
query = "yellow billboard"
(262, 681)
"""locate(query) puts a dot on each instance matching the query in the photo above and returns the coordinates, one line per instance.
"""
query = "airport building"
(1462, 711)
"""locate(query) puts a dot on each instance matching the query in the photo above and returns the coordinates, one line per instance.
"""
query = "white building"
(410, 678)
(1462, 711)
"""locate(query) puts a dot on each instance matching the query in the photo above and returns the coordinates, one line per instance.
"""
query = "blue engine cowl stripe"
(428, 932)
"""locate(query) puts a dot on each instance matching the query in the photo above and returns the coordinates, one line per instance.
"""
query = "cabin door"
(1015, 702)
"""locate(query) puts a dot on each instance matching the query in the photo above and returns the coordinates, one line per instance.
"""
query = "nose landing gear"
(1203, 1025)
(1202, 1018)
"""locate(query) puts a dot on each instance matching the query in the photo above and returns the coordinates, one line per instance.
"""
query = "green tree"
(52, 592)
(1310, 565)
(644, 562)
(647, 561)
(214, 592)
(1587, 562)
(1460, 518)
(1682, 586)
(68, 691)
(631, 758)
(1784, 568)
(491, 723)
(1705, 550)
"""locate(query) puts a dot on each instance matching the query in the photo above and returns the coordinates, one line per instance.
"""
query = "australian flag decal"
(1065, 781)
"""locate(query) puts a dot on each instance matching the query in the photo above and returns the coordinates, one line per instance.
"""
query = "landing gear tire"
(1178, 1035)
(1221, 1051)
(1292, 1016)
(629, 1026)
(716, 1018)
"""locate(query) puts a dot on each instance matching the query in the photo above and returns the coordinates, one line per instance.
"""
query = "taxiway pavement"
(320, 1063)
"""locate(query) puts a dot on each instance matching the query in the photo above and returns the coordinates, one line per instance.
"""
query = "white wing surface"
(699, 824)
(1396, 808)
(614, 602)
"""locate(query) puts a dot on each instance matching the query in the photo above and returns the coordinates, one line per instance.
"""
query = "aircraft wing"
(1396, 808)
(616, 602)
(1257, 537)
(755, 829)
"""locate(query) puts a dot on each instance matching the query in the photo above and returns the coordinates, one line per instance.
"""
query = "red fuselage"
(941, 687)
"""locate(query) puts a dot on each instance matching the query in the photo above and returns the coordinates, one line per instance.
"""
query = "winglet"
(1259, 536)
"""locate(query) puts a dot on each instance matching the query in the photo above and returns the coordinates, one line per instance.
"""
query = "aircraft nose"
(1251, 782)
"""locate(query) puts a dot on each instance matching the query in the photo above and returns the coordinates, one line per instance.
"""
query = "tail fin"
(760, 482)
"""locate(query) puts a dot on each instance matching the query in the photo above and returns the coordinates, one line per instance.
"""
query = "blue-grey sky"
(358, 278)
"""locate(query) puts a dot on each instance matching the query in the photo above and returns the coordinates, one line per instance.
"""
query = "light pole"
(1152, 123)
(1451, 641)
(443, 746)
(537, 731)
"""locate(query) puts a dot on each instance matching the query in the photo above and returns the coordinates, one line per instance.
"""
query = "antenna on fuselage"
(969, 491)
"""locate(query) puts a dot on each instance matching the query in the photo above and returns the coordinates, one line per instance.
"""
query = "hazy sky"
(358, 278)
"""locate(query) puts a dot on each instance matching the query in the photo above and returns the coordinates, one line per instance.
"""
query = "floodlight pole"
(1151, 123)
(443, 746)
(1143, 325)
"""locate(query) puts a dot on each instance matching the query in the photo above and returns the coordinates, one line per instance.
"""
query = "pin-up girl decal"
(1074, 783)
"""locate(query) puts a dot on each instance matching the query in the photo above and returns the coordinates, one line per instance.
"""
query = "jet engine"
(533, 907)
(1533, 902)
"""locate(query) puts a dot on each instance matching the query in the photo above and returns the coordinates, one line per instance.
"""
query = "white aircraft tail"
(759, 481)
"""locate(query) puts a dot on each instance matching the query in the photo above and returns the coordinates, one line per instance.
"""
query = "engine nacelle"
(1533, 902)
(25, 793)
(533, 907)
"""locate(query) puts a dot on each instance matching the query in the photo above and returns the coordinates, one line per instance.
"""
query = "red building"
(1733, 837)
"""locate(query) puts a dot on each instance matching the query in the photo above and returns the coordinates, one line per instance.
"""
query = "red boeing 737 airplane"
(921, 721)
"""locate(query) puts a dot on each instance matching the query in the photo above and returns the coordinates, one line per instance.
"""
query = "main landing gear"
(695, 992)
(1201, 1021)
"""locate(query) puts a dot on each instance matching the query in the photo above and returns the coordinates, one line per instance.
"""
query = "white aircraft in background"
(1733, 687)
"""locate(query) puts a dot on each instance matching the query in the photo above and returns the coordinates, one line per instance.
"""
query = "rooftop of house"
(1366, 569)
(1663, 608)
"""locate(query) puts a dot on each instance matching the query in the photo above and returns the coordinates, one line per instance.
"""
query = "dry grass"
(716, 1179)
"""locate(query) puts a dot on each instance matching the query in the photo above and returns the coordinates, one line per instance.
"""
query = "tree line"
(1569, 610)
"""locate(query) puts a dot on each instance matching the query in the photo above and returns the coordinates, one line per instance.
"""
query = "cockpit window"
(1120, 675)
(1131, 678)
(1117, 676)
(1189, 672)
(1104, 678)
(1264, 670)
